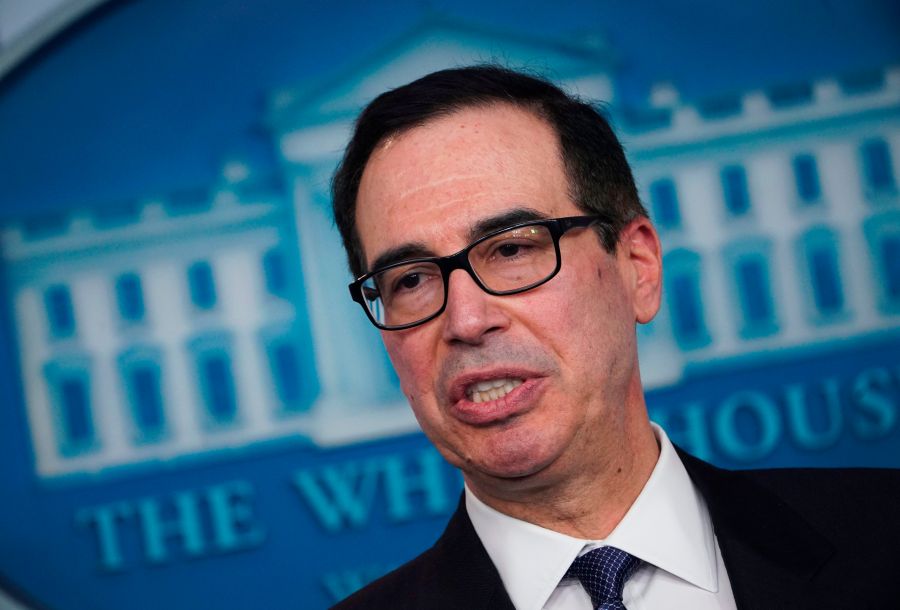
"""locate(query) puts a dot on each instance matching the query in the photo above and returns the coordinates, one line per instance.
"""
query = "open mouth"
(483, 391)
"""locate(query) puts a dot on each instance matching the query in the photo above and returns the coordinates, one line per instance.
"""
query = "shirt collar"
(668, 526)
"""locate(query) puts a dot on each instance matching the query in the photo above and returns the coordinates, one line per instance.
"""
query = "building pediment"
(583, 65)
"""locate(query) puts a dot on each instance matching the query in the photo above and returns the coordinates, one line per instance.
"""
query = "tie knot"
(603, 573)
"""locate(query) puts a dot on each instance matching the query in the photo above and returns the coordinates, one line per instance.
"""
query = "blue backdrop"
(194, 414)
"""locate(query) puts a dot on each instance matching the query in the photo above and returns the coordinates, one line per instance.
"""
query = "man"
(499, 243)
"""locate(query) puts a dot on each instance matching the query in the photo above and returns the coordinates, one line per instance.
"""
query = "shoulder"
(853, 509)
(405, 587)
(839, 502)
(828, 498)
(832, 489)
(804, 531)
(454, 573)
(803, 481)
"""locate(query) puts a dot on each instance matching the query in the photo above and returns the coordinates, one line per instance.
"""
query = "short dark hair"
(600, 179)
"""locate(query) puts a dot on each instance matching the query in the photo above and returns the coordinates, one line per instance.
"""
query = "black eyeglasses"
(508, 261)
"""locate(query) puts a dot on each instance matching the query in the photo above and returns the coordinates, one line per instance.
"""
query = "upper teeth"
(491, 390)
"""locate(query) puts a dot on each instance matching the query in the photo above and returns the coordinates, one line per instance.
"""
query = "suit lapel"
(771, 553)
(467, 577)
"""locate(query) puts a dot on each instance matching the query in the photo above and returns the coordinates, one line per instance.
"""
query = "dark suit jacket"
(790, 539)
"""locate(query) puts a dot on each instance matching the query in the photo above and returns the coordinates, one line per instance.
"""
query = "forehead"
(431, 184)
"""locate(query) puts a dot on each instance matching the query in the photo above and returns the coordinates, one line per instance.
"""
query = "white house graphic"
(219, 319)
(778, 211)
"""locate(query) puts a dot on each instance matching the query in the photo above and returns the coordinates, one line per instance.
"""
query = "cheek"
(412, 364)
(578, 304)
(590, 320)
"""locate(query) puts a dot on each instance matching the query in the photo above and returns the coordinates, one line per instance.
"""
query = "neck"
(585, 502)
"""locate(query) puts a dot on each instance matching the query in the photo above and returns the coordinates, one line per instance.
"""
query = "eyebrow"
(508, 218)
(484, 226)
(402, 252)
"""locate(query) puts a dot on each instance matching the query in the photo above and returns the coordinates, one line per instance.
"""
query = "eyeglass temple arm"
(572, 222)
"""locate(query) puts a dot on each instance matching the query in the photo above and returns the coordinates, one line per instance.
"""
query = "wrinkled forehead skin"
(434, 180)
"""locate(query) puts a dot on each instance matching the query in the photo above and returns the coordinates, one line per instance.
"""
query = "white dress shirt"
(668, 527)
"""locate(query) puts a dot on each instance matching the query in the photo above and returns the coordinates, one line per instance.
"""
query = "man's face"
(563, 354)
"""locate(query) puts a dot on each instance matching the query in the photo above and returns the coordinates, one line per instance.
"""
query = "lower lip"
(520, 400)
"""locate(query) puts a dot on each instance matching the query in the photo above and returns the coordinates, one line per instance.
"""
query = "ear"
(640, 257)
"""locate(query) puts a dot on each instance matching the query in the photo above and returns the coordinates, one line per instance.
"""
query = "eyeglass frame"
(460, 260)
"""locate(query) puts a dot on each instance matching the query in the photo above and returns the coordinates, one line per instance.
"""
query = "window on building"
(687, 310)
(76, 411)
(141, 372)
(275, 272)
(211, 354)
(664, 200)
(130, 297)
(60, 313)
(218, 386)
(751, 274)
(285, 363)
(890, 260)
(878, 171)
(684, 299)
(290, 366)
(148, 409)
(69, 388)
(806, 178)
(140, 369)
(734, 188)
(202, 285)
(824, 273)
(883, 234)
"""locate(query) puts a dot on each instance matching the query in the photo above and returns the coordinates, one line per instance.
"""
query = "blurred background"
(192, 411)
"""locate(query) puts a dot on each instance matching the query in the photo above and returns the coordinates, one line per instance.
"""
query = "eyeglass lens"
(504, 263)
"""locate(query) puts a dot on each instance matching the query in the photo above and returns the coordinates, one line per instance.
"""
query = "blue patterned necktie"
(603, 573)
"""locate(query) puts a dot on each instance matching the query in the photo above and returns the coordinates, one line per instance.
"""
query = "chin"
(524, 459)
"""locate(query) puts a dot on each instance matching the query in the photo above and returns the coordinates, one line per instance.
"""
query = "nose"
(471, 313)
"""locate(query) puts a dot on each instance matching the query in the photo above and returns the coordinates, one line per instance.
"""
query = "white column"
(237, 274)
(776, 212)
(710, 232)
(92, 301)
(849, 209)
(33, 354)
(167, 304)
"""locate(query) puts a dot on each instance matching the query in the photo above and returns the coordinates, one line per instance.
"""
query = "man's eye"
(508, 250)
(408, 281)
(512, 250)
(371, 294)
